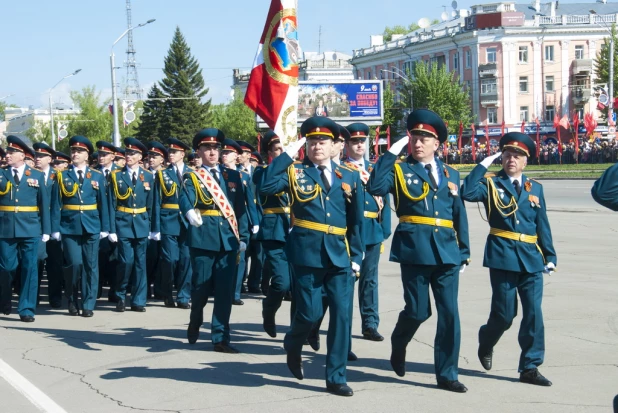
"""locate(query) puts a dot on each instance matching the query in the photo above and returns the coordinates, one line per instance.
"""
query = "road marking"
(29, 390)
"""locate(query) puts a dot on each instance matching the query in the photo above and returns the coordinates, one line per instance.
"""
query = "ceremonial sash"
(220, 199)
(364, 175)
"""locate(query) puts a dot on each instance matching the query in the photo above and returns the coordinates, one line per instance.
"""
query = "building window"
(523, 113)
(523, 54)
(489, 87)
(468, 59)
(523, 84)
(408, 68)
(456, 61)
(549, 83)
(549, 53)
(491, 55)
(492, 115)
(468, 86)
(550, 112)
(579, 52)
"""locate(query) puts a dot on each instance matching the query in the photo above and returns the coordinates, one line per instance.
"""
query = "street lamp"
(51, 110)
(114, 98)
(610, 107)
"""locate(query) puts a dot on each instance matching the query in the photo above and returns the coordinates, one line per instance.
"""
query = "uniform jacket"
(215, 233)
(91, 192)
(420, 244)
(126, 224)
(273, 227)
(375, 230)
(529, 219)
(168, 221)
(31, 192)
(254, 212)
(308, 247)
(605, 189)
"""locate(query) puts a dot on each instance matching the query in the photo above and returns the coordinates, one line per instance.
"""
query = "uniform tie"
(134, 179)
(80, 177)
(434, 184)
(517, 187)
(16, 176)
(325, 182)
(106, 174)
(178, 174)
(215, 175)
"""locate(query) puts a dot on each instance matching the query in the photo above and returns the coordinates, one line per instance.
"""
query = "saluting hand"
(294, 147)
(490, 159)
(396, 148)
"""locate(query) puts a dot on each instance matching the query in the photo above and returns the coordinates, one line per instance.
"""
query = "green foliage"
(393, 112)
(150, 121)
(3, 107)
(183, 79)
(601, 64)
(235, 119)
(399, 29)
(39, 132)
(434, 88)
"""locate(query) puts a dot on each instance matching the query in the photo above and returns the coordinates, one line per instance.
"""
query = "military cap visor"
(62, 157)
(208, 136)
(269, 139)
(105, 147)
(255, 156)
(231, 146)
(120, 153)
(518, 142)
(425, 122)
(43, 149)
(177, 145)
(344, 134)
(134, 145)
(157, 148)
(81, 142)
(319, 127)
(246, 146)
(16, 144)
(358, 130)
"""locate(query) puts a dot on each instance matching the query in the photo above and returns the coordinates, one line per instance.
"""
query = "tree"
(154, 112)
(235, 119)
(601, 64)
(3, 106)
(399, 29)
(183, 79)
(433, 87)
(393, 113)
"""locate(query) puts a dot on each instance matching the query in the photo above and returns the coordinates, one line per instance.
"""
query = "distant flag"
(502, 128)
(472, 142)
(487, 134)
(576, 127)
(523, 126)
(538, 137)
(460, 135)
(272, 92)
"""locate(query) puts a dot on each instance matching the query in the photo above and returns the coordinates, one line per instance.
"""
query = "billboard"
(345, 102)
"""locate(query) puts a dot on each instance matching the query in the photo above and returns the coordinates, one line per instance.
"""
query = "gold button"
(436, 230)
(17, 200)
(328, 214)
(327, 198)
(436, 213)
(17, 190)
(81, 192)
(134, 205)
(435, 197)
(367, 202)
(517, 222)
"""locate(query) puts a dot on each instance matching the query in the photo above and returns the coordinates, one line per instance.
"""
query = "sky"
(45, 40)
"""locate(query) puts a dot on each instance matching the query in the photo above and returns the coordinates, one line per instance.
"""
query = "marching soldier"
(61, 161)
(50, 253)
(79, 219)
(157, 156)
(430, 243)
(30, 160)
(323, 244)
(273, 233)
(130, 209)
(24, 213)
(171, 226)
(120, 159)
(376, 229)
(215, 237)
(256, 160)
(518, 251)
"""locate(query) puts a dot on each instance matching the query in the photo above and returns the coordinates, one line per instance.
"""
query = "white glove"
(156, 236)
(56, 236)
(112, 238)
(549, 268)
(462, 269)
(255, 229)
(45, 238)
(355, 267)
(490, 159)
(399, 145)
(242, 247)
(294, 147)
(193, 218)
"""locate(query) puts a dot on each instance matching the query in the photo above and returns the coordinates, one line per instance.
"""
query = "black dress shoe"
(120, 306)
(485, 357)
(314, 340)
(157, 296)
(238, 302)
(112, 298)
(339, 389)
(398, 361)
(193, 333)
(295, 364)
(452, 385)
(26, 318)
(73, 309)
(372, 335)
(533, 376)
(254, 290)
(243, 289)
(138, 308)
(87, 313)
(352, 356)
(184, 306)
(287, 296)
(225, 348)
(269, 326)
(55, 304)
(6, 310)
(169, 303)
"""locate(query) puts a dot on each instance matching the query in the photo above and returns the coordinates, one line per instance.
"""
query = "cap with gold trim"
(62, 157)
(105, 148)
(207, 136)
(231, 145)
(134, 145)
(518, 142)
(319, 127)
(81, 142)
(119, 152)
(425, 122)
(344, 134)
(269, 138)
(255, 156)
(177, 145)
(43, 149)
(157, 148)
(358, 130)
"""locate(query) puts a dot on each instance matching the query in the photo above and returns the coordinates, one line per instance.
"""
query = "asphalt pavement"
(122, 362)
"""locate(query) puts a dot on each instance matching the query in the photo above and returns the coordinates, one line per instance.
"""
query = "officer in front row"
(605, 189)
(157, 157)
(25, 221)
(518, 251)
(213, 202)
(324, 243)
(79, 220)
(430, 243)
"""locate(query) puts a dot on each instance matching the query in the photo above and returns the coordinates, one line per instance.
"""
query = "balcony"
(581, 67)
(580, 94)
(489, 69)
(490, 99)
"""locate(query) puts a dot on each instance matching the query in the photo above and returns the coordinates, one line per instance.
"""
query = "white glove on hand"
(242, 247)
(56, 236)
(112, 238)
(103, 235)
(462, 269)
(490, 159)
(399, 145)
(294, 147)
(255, 229)
(549, 268)
(355, 267)
(156, 236)
(193, 218)
(45, 238)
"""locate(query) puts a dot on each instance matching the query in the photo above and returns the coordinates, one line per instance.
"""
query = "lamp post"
(51, 110)
(610, 107)
(114, 98)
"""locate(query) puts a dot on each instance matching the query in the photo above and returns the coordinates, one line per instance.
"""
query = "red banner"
(472, 143)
